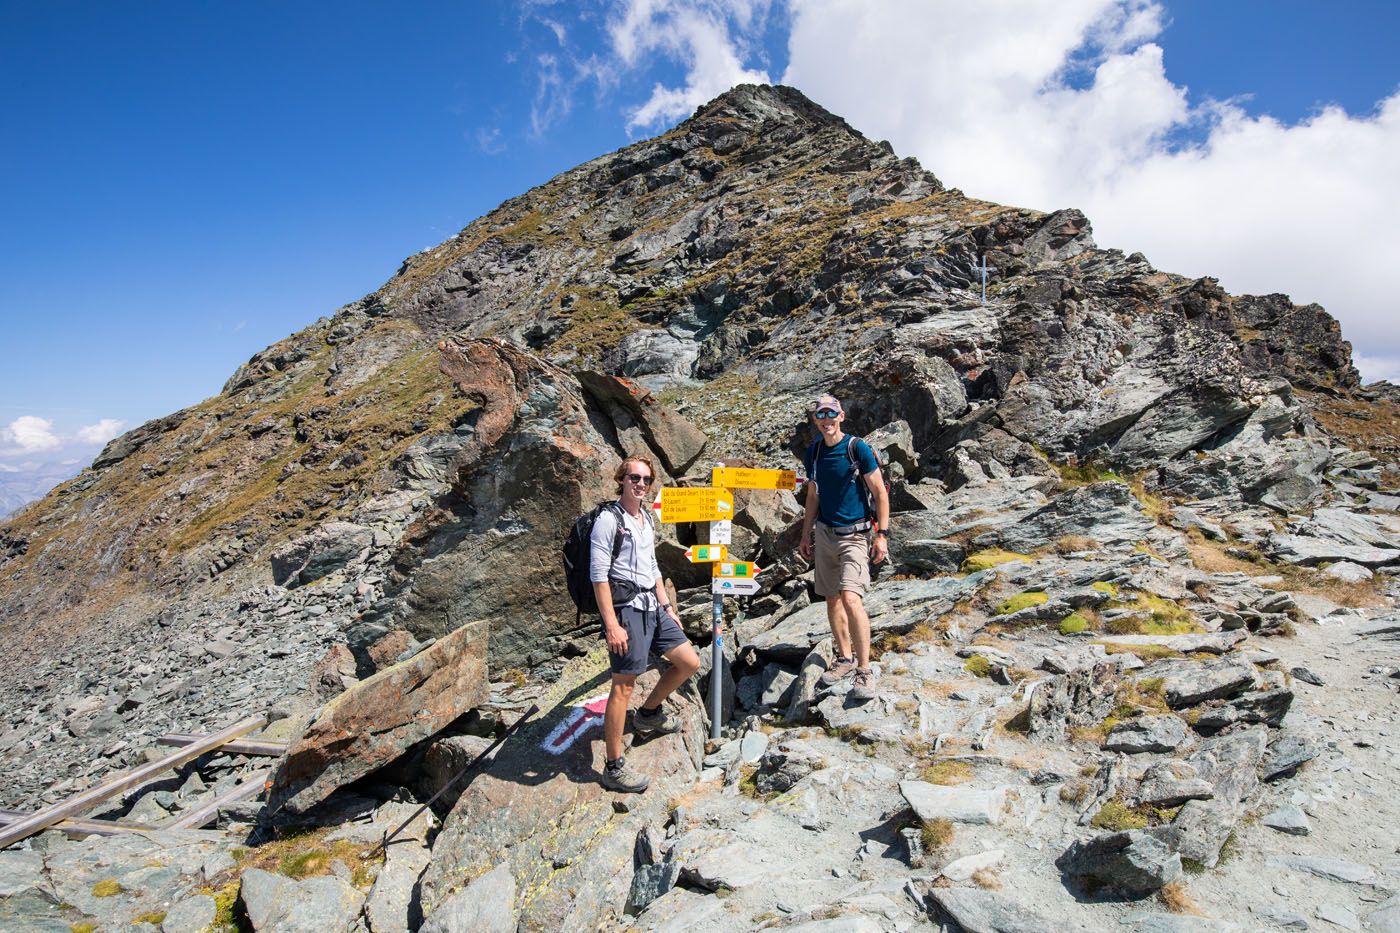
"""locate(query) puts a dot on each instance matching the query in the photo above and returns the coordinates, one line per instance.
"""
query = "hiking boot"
(840, 669)
(657, 723)
(617, 776)
(864, 688)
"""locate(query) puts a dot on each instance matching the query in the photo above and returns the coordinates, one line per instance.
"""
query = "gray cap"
(825, 402)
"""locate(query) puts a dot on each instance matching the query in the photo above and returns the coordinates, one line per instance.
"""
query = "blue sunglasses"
(826, 413)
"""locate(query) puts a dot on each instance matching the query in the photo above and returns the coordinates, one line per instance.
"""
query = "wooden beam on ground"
(81, 827)
(236, 747)
(48, 816)
(201, 816)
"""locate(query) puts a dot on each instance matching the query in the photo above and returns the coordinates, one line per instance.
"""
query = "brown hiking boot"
(840, 669)
(864, 688)
(617, 776)
(657, 723)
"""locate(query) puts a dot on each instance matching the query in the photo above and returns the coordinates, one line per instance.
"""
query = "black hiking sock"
(614, 765)
(651, 710)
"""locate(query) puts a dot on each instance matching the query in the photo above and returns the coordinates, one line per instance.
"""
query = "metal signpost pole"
(717, 663)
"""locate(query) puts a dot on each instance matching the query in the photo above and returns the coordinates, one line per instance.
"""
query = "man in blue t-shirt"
(842, 535)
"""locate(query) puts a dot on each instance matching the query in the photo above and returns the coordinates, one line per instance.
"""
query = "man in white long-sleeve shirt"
(639, 622)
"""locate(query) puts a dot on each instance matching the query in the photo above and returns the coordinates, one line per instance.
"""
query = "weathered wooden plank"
(236, 747)
(81, 827)
(201, 816)
(48, 816)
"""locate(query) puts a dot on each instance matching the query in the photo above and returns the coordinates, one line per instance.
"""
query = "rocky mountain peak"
(753, 107)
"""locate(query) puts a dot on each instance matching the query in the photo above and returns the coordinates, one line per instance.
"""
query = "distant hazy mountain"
(19, 489)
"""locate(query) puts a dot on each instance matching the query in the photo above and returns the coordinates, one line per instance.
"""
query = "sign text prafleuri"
(745, 478)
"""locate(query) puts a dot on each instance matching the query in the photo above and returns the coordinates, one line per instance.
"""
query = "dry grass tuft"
(1175, 899)
(987, 879)
(948, 772)
(937, 834)
(1072, 544)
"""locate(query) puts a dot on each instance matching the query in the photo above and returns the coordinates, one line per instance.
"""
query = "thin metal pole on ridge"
(716, 663)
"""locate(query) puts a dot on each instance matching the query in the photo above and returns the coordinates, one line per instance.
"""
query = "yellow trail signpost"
(683, 504)
(729, 577)
(744, 478)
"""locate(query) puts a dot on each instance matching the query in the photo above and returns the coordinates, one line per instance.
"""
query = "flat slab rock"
(1147, 734)
(1333, 869)
(985, 911)
(1212, 642)
(973, 805)
(1304, 549)
(1186, 683)
(376, 720)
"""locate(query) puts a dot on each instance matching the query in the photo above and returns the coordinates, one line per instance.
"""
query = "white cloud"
(101, 432)
(696, 35)
(6, 468)
(30, 434)
(1378, 367)
(996, 100)
(488, 140)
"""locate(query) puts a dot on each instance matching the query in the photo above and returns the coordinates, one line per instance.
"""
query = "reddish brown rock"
(387, 650)
(377, 720)
(333, 673)
(675, 440)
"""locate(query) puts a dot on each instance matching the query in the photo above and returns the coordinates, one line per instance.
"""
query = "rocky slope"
(1130, 508)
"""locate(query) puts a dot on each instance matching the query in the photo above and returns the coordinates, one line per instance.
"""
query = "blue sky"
(184, 183)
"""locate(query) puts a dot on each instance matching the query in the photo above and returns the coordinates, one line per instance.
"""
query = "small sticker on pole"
(744, 478)
(706, 553)
(684, 504)
(721, 532)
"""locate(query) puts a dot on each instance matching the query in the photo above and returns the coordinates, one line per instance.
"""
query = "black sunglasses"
(639, 478)
(825, 414)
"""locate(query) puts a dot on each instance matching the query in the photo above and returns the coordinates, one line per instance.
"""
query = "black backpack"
(578, 554)
(861, 487)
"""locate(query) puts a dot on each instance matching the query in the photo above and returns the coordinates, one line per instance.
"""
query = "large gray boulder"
(320, 552)
(485, 905)
(278, 904)
(1133, 863)
(1107, 512)
(1146, 734)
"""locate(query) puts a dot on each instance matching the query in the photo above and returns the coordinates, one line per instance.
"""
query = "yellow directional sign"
(740, 569)
(705, 553)
(706, 504)
(743, 478)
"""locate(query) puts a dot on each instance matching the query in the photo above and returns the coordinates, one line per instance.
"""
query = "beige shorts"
(841, 562)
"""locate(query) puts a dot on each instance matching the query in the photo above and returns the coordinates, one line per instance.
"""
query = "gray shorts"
(651, 633)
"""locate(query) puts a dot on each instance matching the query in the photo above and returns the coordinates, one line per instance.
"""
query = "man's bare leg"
(684, 663)
(836, 617)
(857, 625)
(615, 718)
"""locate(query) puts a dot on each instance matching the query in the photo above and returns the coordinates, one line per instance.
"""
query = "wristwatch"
(882, 531)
